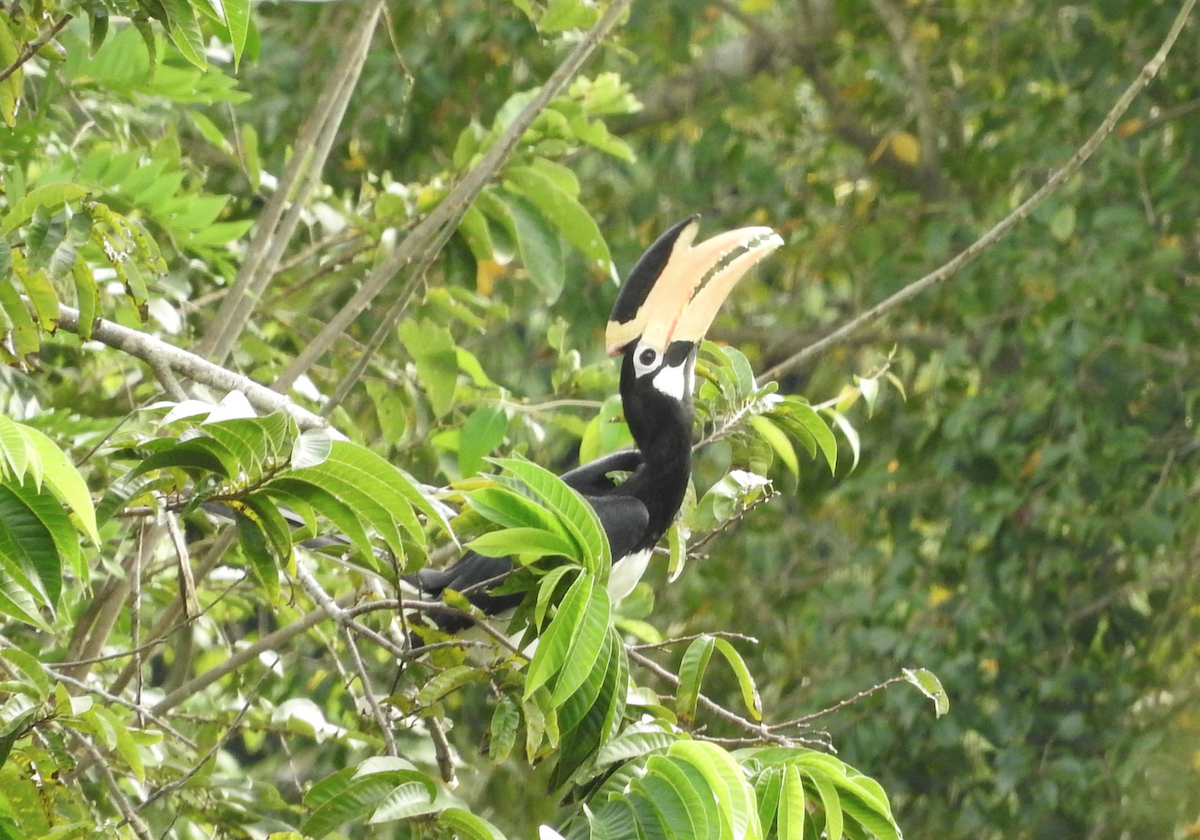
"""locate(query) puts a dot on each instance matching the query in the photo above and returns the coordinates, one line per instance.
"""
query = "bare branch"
(806, 720)
(761, 732)
(1056, 180)
(719, 634)
(275, 227)
(155, 351)
(139, 826)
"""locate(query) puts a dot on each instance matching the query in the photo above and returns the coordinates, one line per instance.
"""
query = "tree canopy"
(341, 270)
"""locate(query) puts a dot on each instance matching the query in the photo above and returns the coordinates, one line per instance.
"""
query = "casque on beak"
(659, 303)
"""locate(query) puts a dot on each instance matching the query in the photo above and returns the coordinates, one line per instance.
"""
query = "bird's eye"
(647, 357)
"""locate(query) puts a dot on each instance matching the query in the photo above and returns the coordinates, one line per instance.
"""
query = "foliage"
(176, 663)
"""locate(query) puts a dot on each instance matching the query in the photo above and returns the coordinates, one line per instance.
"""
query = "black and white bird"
(656, 325)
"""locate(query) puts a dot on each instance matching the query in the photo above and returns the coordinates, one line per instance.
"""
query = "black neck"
(662, 428)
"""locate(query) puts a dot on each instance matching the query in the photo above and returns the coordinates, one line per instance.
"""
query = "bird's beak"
(659, 303)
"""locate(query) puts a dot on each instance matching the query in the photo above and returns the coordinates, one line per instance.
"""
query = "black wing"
(623, 519)
(592, 479)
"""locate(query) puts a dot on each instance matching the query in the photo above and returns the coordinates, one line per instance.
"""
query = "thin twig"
(317, 592)
(760, 731)
(120, 701)
(221, 742)
(139, 826)
(30, 50)
(1056, 180)
(805, 720)
(718, 634)
(441, 749)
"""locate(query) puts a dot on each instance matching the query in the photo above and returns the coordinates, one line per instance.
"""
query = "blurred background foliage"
(1023, 523)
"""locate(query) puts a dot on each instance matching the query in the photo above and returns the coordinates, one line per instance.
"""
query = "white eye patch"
(645, 359)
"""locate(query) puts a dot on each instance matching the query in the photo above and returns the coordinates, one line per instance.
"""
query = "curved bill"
(669, 311)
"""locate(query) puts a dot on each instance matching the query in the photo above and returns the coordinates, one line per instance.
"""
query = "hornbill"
(656, 325)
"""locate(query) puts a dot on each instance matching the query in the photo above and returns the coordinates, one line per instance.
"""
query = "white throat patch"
(674, 381)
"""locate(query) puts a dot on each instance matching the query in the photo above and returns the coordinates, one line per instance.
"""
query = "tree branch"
(282, 213)
(1056, 180)
(154, 351)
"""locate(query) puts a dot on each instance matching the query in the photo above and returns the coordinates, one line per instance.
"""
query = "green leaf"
(735, 798)
(691, 672)
(447, 681)
(195, 456)
(850, 432)
(299, 495)
(864, 810)
(512, 510)
(538, 244)
(522, 542)
(343, 797)
(750, 694)
(792, 808)
(673, 809)
(801, 419)
(43, 540)
(263, 510)
(574, 222)
(237, 18)
(412, 798)
(827, 792)
(62, 478)
(35, 681)
(256, 549)
(185, 32)
(10, 88)
(677, 548)
(767, 788)
(1062, 223)
(503, 731)
(46, 232)
(779, 442)
(587, 643)
(50, 196)
(931, 687)
(467, 826)
(635, 743)
(576, 514)
(432, 349)
(24, 335)
(474, 230)
(587, 717)
(705, 823)
(555, 643)
(25, 541)
(87, 297)
(481, 434)
(563, 15)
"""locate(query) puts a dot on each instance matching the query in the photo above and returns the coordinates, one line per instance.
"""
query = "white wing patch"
(626, 573)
